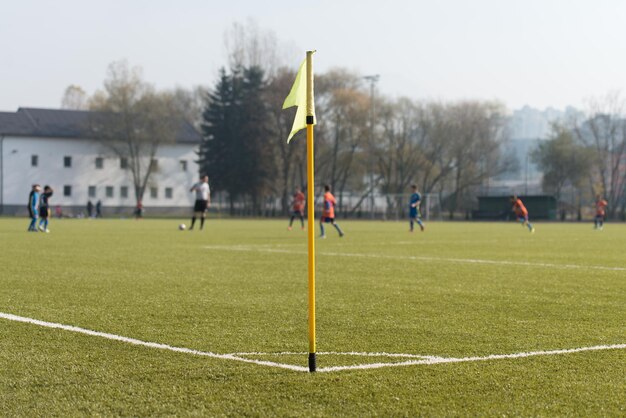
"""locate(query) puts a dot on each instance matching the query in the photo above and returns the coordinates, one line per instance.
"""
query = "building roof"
(59, 123)
(14, 123)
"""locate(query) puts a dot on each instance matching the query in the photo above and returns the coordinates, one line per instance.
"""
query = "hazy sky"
(537, 52)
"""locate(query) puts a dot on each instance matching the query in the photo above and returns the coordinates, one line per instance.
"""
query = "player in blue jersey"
(33, 207)
(414, 208)
(44, 208)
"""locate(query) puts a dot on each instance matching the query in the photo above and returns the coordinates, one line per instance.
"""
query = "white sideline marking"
(238, 356)
(416, 258)
(335, 353)
(439, 360)
(134, 341)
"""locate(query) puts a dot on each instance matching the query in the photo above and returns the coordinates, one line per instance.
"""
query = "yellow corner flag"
(298, 97)
(301, 95)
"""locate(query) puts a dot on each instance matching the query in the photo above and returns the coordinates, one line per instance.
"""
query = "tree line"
(586, 157)
(364, 145)
(367, 145)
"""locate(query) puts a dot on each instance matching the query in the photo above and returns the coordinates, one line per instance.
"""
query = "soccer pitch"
(463, 319)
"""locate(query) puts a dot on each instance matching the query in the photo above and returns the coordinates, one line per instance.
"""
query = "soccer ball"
(182, 227)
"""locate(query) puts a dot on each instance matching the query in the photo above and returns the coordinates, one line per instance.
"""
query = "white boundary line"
(417, 258)
(439, 360)
(134, 341)
(343, 353)
(427, 360)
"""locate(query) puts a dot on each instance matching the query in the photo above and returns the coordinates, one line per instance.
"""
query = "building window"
(99, 162)
(91, 191)
(109, 191)
(34, 160)
(67, 161)
(183, 165)
(67, 191)
(124, 163)
(169, 193)
(154, 192)
(124, 192)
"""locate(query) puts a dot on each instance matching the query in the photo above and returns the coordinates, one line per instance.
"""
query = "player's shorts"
(44, 212)
(32, 213)
(522, 217)
(414, 213)
(297, 213)
(201, 206)
(328, 219)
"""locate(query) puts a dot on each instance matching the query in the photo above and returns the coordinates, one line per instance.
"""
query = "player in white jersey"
(203, 199)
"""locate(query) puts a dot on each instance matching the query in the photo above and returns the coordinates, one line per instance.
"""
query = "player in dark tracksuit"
(33, 207)
(44, 208)
(414, 209)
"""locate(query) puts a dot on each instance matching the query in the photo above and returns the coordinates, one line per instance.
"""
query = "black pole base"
(312, 364)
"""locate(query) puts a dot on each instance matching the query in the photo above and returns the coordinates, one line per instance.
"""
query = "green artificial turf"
(456, 290)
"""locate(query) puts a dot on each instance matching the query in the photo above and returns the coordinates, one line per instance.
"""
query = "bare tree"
(563, 161)
(289, 157)
(74, 98)
(342, 108)
(249, 45)
(133, 121)
(190, 103)
(398, 152)
(435, 139)
(604, 131)
(478, 135)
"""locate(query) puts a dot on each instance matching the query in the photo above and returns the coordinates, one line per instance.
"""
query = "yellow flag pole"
(310, 120)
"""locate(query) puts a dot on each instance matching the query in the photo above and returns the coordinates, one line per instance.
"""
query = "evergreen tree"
(217, 129)
(236, 151)
(254, 133)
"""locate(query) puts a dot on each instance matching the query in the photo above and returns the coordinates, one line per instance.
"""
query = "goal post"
(431, 207)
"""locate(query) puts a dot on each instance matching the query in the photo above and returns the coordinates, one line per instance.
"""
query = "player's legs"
(323, 231)
(341, 234)
(293, 216)
(33, 221)
(601, 221)
(301, 220)
(528, 224)
(199, 208)
(418, 219)
(43, 220)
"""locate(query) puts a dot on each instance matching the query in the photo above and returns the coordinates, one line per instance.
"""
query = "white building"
(53, 147)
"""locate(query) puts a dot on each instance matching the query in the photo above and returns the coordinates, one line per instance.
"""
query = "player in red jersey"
(601, 205)
(521, 212)
(328, 212)
(297, 207)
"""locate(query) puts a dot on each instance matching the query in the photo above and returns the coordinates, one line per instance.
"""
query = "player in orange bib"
(521, 212)
(601, 205)
(297, 208)
(328, 212)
